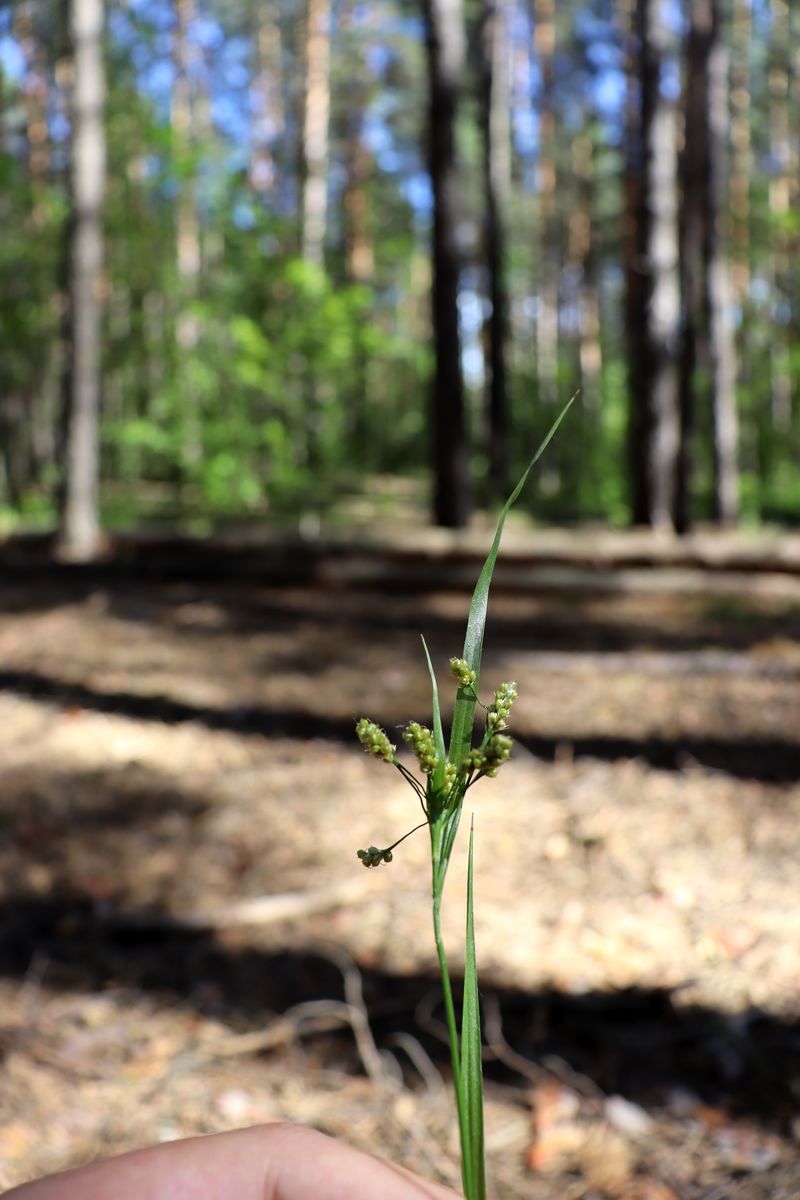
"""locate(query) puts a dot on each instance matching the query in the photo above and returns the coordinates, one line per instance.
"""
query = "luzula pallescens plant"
(448, 773)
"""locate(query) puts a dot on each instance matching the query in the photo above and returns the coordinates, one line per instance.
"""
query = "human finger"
(265, 1162)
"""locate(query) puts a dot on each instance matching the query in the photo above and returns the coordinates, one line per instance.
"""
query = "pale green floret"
(422, 743)
(498, 750)
(374, 740)
(475, 761)
(450, 776)
(504, 697)
(463, 672)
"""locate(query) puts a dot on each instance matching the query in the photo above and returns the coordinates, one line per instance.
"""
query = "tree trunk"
(79, 537)
(268, 120)
(315, 149)
(547, 290)
(708, 333)
(723, 353)
(187, 225)
(653, 299)
(495, 128)
(445, 43)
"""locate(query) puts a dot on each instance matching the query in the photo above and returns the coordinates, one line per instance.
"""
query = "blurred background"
(308, 251)
(289, 293)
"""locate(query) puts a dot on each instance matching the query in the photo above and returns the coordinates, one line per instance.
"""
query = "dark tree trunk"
(445, 42)
(707, 333)
(653, 308)
(79, 537)
(496, 182)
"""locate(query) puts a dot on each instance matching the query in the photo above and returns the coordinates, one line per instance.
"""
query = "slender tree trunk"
(495, 127)
(695, 352)
(315, 148)
(741, 150)
(187, 224)
(268, 120)
(358, 245)
(547, 323)
(708, 341)
(445, 42)
(721, 336)
(653, 299)
(79, 536)
(582, 259)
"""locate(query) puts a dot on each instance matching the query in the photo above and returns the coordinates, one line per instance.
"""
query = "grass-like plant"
(448, 774)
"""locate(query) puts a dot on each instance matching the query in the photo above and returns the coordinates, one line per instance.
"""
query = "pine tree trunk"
(445, 42)
(547, 289)
(268, 120)
(653, 300)
(495, 128)
(721, 338)
(187, 226)
(314, 148)
(708, 342)
(79, 535)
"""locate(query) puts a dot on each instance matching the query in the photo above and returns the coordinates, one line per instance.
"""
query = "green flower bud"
(463, 672)
(374, 740)
(498, 750)
(504, 697)
(422, 743)
(450, 776)
(474, 761)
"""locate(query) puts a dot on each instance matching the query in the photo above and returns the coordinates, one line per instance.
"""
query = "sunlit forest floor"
(189, 943)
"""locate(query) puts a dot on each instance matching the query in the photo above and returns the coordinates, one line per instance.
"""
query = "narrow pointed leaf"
(438, 733)
(473, 1170)
(464, 711)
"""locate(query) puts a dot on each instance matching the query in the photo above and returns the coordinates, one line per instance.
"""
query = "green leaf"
(438, 734)
(464, 711)
(471, 1079)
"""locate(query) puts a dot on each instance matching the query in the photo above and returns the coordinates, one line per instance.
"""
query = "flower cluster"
(489, 759)
(374, 740)
(498, 750)
(497, 716)
(373, 857)
(447, 793)
(420, 739)
(463, 672)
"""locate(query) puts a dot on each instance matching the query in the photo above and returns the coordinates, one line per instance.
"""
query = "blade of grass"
(472, 1157)
(438, 733)
(464, 711)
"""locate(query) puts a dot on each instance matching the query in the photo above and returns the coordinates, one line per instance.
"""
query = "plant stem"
(450, 1017)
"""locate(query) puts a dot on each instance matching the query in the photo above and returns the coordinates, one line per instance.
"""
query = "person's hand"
(267, 1162)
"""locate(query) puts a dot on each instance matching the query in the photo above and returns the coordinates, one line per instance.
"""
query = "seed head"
(498, 750)
(421, 740)
(504, 697)
(374, 740)
(373, 857)
(463, 672)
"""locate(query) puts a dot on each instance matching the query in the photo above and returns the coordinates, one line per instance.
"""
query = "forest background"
(256, 253)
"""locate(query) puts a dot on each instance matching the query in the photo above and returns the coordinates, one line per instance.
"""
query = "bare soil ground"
(188, 943)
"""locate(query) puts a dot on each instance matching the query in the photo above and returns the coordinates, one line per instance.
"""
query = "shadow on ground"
(638, 1042)
(770, 760)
